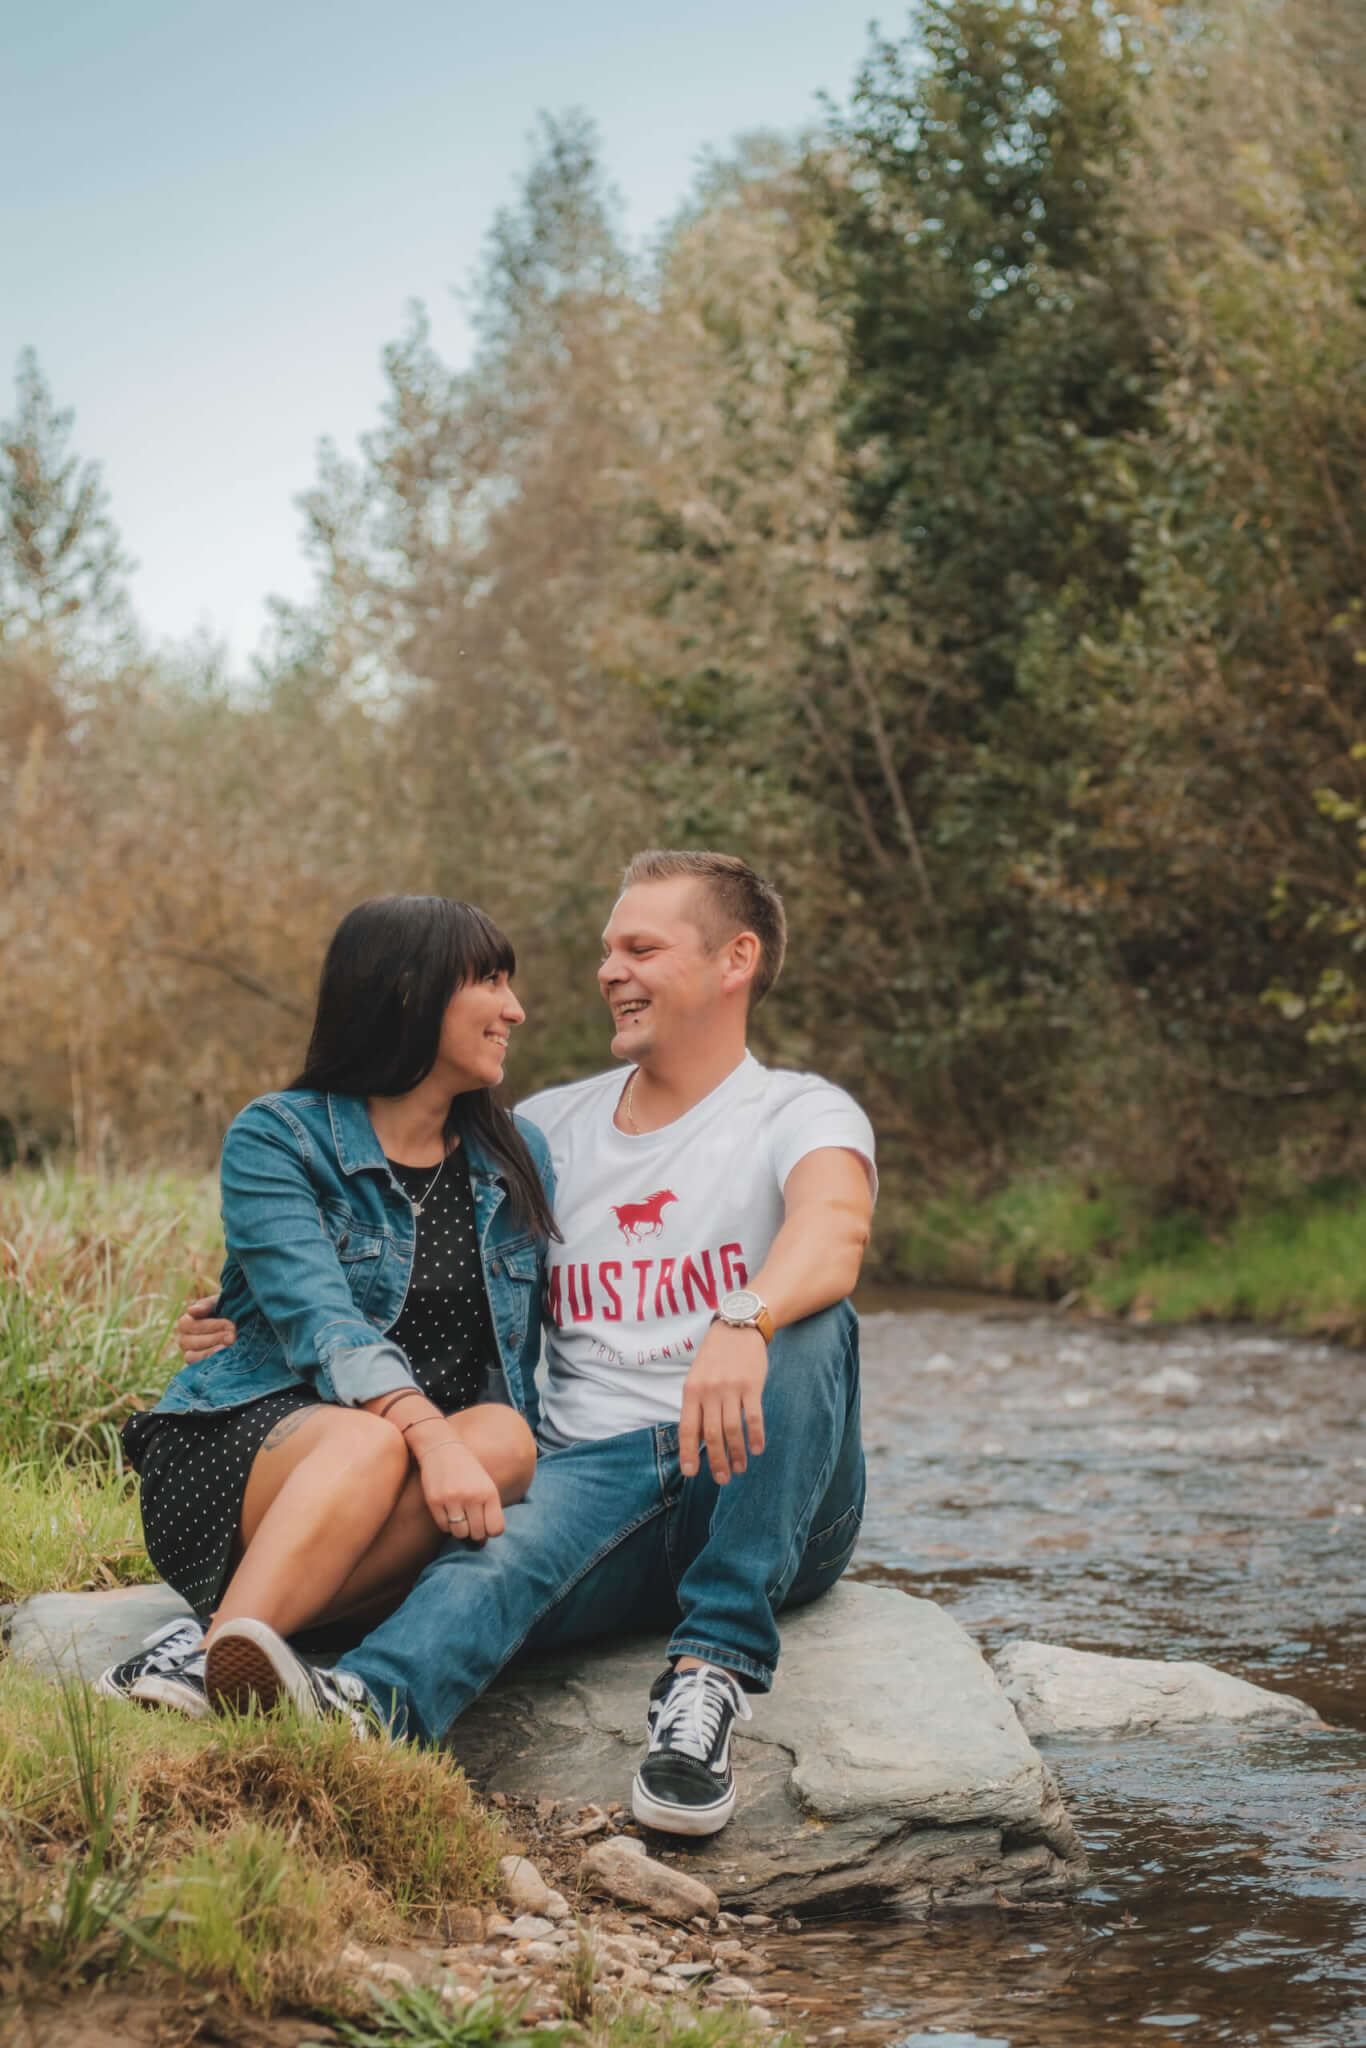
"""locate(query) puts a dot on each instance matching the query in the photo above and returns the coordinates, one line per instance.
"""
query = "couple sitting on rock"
(356, 1436)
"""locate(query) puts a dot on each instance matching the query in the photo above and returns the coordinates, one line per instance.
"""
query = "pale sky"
(212, 218)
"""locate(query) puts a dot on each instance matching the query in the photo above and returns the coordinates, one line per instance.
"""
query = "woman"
(385, 1224)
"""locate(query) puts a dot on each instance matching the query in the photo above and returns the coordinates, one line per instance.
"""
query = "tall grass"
(92, 1275)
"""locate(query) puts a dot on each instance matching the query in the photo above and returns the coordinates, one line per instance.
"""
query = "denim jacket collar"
(353, 1134)
(359, 1150)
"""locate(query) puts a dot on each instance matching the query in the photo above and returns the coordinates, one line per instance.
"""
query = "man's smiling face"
(657, 975)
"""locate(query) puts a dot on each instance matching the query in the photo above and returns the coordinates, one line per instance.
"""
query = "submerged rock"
(1078, 1692)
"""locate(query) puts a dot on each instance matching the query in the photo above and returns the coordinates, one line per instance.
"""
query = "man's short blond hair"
(731, 898)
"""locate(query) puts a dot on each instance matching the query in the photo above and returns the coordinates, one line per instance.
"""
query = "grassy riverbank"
(214, 1871)
(1297, 1260)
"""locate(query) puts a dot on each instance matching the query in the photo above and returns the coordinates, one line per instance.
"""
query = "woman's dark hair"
(392, 967)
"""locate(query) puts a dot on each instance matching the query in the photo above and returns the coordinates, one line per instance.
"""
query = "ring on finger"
(457, 1518)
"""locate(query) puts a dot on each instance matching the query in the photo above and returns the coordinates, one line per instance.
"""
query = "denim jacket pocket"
(359, 1252)
(519, 1260)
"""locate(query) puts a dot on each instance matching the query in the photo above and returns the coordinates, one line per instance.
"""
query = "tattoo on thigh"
(285, 1428)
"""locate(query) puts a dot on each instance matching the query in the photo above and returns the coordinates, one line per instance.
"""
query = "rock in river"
(886, 1765)
(1078, 1692)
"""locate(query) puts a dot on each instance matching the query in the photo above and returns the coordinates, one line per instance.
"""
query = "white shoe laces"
(346, 1692)
(177, 1644)
(691, 1711)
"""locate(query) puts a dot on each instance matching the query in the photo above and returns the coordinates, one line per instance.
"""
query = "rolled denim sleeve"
(273, 1226)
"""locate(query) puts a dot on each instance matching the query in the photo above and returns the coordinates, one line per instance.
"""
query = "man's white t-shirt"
(657, 1227)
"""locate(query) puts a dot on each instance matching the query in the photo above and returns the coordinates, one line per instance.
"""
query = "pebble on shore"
(645, 1930)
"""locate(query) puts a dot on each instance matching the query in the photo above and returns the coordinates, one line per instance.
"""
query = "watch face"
(741, 1306)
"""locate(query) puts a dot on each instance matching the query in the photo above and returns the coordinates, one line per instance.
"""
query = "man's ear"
(741, 962)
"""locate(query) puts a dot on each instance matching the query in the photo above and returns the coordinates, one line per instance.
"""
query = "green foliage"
(93, 1274)
(1294, 1261)
(420, 2018)
(997, 309)
(63, 1528)
(94, 1914)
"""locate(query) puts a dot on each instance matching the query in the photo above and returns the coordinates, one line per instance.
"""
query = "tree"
(62, 568)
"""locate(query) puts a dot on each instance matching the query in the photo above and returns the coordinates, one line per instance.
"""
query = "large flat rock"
(77, 1635)
(1079, 1692)
(886, 1766)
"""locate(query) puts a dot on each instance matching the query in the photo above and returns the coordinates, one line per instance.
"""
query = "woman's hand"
(462, 1498)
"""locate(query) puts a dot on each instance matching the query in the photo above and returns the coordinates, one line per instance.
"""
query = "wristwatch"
(743, 1310)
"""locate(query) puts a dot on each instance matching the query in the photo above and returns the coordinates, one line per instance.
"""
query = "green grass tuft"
(1299, 1263)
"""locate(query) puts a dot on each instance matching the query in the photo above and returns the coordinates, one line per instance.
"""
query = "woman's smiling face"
(479, 1019)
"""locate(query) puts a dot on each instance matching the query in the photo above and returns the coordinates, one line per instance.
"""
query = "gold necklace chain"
(627, 1099)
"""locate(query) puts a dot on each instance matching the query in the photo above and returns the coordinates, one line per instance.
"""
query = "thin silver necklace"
(421, 1200)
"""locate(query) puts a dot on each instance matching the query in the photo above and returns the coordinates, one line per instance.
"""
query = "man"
(701, 1466)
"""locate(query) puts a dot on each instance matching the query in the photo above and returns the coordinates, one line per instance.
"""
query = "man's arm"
(812, 1263)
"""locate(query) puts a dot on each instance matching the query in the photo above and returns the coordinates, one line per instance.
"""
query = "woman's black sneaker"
(248, 1661)
(168, 1671)
(685, 1785)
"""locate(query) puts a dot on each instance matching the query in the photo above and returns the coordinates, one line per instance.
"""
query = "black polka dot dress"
(194, 1467)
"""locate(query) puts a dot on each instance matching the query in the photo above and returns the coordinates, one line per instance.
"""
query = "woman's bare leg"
(410, 1539)
(333, 1520)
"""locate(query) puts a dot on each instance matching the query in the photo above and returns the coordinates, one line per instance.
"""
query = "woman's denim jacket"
(320, 1249)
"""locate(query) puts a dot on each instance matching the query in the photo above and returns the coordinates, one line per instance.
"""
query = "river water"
(1198, 1493)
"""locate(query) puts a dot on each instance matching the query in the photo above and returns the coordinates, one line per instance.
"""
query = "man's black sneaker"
(685, 1785)
(248, 1661)
(168, 1671)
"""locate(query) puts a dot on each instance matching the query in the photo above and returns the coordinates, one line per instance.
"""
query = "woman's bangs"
(488, 950)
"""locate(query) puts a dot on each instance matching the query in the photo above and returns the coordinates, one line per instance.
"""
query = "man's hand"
(723, 1402)
(201, 1330)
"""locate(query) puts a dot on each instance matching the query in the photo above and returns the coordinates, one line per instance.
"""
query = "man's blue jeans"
(612, 1539)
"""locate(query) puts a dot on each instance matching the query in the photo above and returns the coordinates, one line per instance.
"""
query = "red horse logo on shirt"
(643, 1219)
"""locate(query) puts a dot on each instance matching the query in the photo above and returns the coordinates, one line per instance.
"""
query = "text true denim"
(320, 1243)
(612, 1538)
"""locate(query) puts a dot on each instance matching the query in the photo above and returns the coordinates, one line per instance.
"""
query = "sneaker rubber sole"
(247, 1661)
(668, 1818)
(156, 1691)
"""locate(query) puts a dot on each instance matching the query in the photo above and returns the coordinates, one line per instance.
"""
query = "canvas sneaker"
(248, 1661)
(685, 1785)
(168, 1671)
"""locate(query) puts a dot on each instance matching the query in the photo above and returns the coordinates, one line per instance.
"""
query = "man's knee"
(828, 1335)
